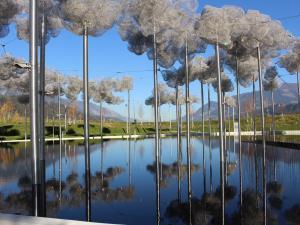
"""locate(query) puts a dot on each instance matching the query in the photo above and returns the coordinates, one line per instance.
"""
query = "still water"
(123, 183)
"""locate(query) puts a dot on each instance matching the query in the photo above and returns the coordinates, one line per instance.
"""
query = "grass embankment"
(16, 130)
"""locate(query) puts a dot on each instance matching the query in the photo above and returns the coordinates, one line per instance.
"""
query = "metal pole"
(239, 133)
(25, 114)
(187, 103)
(156, 123)
(34, 126)
(209, 117)
(128, 120)
(273, 115)
(177, 117)
(178, 143)
(221, 134)
(209, 138)
(34, 106)
(42, 111)
(101, 121)
(254, 108)
(65, 119)
(203, 136)
(86, 123)
(298, 88)
(129, 163)
(263, 134)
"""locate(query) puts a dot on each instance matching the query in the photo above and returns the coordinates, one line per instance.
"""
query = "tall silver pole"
(128, 118)
(157, 157)
(60, 140)
(101, 121)
(188, 110)
(298, 87)
(178, 116)
(34, 107)
(209, 138)
(203, 135)
(221, 135)
(254, 108)
(178, 143)
(273, 115)
(239, 133)
(42, 111)
(262, 114)
(86, 123)
(209, 117)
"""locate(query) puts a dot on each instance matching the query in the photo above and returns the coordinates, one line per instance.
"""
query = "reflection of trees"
(170, 171)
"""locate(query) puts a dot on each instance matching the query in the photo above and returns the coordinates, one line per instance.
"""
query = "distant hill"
(286, 101)
(51, 104)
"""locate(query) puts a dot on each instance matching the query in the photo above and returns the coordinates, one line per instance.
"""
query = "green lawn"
(9, 131)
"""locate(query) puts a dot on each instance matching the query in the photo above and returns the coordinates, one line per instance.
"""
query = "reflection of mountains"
(289, 156)
(171, 171)
(286, 155)
(16, 162)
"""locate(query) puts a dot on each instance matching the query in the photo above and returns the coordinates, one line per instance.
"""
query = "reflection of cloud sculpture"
(204, 211)
(231, 168)
(274, 187)
(251, 213)
(230, 192)
(73, 192)
(170, 171)
(292, 214)
(181, 210)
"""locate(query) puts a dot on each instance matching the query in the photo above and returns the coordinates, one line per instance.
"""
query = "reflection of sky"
(141, 208)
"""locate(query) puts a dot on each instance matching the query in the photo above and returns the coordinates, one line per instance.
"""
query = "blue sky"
(108, 54)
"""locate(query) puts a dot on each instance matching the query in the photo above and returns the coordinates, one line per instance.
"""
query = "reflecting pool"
(123, 182)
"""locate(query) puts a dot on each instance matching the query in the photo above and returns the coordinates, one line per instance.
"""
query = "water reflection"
(129, 186)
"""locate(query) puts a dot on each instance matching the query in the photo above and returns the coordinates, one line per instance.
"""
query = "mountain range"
(285, 98)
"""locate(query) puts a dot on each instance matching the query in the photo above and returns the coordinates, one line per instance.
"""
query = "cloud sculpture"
(9, 68)
(271, 81)
(163, 95)
(247, 68)
(54, 83)
(230, 101)
(72, 88)
(124, 84)
(256, 29)
(53, 22)
(103, 92)
(214, 25)
(169, 20)
(98, 15)
(226, 84)
(8, 10)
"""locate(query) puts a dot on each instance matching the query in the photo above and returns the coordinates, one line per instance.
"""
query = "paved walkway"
(135, 136)
(10, 219)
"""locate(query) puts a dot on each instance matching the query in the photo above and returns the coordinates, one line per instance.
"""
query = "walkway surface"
(10, 219)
